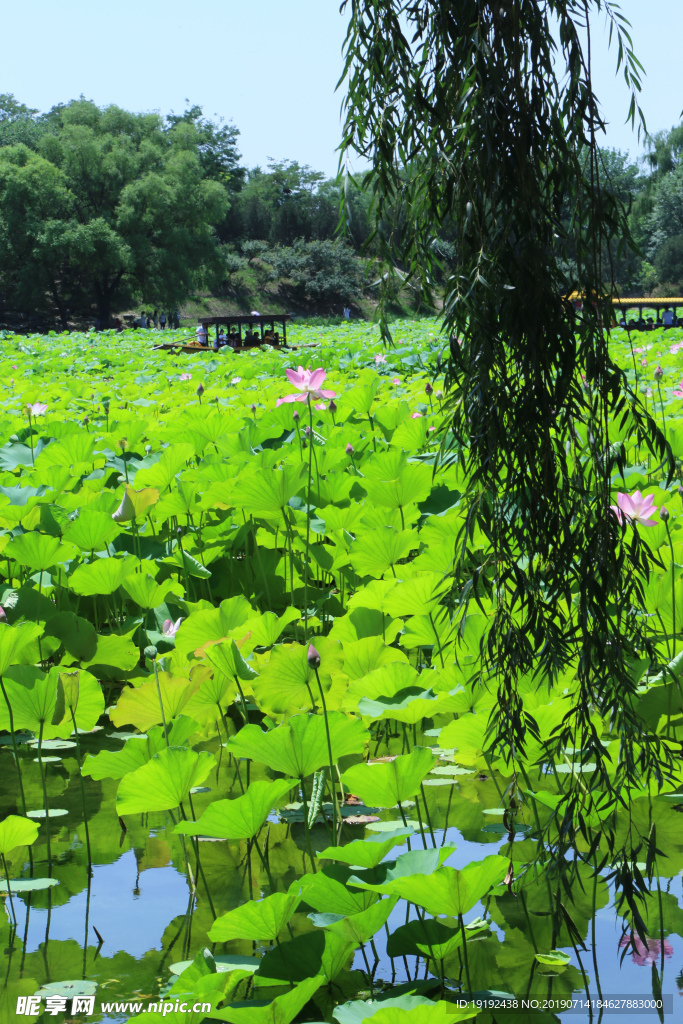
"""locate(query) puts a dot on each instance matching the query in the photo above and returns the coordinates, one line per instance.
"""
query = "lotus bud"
(253, 408)
(659, 373)
(439, 395)
(664, 513)
(428, 389)
(308, 431)
(86, 421)
(295, 416)
(349, 449)
(179, 531)
(126, 510)
(150, 652)
(148, 449)
(680, 491)
(313, 657)
(200, 389)
(333, 405)
(3, 617)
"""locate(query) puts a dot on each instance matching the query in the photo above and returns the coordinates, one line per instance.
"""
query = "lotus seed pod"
(313, 657)
(150, 652)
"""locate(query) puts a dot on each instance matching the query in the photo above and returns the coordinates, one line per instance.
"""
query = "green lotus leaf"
(554, 958)
(262, 920)
(299, 748)
(147, 593)
(228, 662)
(379, 550)
(92, 530)
(16, 831)
(388, 783)
(395, 1009)
(137, 750)
(103, 576)
(241, 818)
(467, 734)
(78, 636)
(164, 782)
(209, 702)
(389, 877)
(139, 706)
(287, 681)
(115, 654)
(359, 927)
(39, 551)
(306, 956)
(281, 1010)
(28, 884)
(429, 937)
(13, 641)
(163, 472)
(421, 595)
(447, 890)
(268, 493)
(367, 853)
(327, 891)
(361, 657)
(209, 625)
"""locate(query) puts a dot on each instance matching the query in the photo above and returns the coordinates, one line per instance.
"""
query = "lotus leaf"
(164, 782)
(299, 748)
(241, 818)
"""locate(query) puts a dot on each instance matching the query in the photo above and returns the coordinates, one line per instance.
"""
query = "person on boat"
(668, 317)
(202, 334)
(222, 338)
(234, 338)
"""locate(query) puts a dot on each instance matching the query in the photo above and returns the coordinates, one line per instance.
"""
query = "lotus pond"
(241, 734)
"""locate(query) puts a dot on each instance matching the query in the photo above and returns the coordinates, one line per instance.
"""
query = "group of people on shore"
(160, 320)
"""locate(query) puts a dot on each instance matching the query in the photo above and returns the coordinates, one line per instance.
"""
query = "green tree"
(109, 207)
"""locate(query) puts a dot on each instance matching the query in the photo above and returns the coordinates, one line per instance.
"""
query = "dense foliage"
(173, 540)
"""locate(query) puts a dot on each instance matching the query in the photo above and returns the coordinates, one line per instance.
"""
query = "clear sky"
(270, 66)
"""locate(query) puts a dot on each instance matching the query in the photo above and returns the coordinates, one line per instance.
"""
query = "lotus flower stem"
(30, 437)
(665, 519)
(422, 827)
(11, 901)
(16, 751)
(266, 866)
(427, 814)
(47, 810)
(308, 522)
(306, 829)
(161, 703)
(464, 953)
(333, 787)
(80, 776)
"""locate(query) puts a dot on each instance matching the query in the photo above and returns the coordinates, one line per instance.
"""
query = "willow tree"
(481, 114)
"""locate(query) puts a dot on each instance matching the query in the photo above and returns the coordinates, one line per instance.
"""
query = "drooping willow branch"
(480, 122)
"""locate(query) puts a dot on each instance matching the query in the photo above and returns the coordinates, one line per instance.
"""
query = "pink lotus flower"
(37, 409)
(646, 956)
(186, 376)
(416, 416)
(379, 358)
(235, 380)
(308, 382)
(170, 628)
(678, 392)
(395, 380)
(643, 362)
(320, 406)
(635, 508)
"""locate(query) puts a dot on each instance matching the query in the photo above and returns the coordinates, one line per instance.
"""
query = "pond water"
(139, 901)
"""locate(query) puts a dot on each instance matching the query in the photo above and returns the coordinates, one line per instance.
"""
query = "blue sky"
(271, 66)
